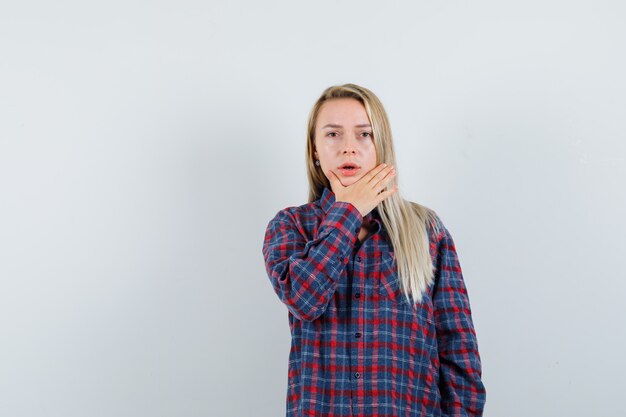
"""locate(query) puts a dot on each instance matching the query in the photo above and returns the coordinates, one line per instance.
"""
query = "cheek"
(323, 154)
(371, 155)
(326, 152)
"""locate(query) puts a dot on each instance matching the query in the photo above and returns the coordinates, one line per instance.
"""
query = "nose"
(349, 146)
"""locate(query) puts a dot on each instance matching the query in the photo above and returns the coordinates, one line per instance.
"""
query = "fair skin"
(345, 148)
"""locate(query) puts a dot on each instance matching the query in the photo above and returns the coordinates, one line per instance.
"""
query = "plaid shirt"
(357, 347)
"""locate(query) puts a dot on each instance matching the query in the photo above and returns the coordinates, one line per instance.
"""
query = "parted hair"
(406, 222)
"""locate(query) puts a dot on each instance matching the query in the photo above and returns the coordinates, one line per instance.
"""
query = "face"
(343, 140)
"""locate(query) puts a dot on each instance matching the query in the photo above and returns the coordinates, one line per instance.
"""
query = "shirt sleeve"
(304, 274)
(460, 384)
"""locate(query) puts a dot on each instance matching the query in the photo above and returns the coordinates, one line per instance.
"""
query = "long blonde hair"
(406, 222)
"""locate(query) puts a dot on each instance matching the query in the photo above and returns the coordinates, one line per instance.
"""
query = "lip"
(349, 172)
(349, 164)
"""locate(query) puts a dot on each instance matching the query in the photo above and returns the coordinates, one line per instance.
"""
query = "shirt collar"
(328, 199)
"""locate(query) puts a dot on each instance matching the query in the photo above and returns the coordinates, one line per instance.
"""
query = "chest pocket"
(389, 282)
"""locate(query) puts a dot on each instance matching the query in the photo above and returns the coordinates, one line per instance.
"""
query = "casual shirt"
(358, 347)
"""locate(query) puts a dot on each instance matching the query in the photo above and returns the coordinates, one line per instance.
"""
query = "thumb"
(335, 184)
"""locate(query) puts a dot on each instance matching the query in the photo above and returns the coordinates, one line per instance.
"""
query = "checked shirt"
(358, 348)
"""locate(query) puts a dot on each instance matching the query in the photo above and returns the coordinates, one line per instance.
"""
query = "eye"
(367, 134)
(332, 134)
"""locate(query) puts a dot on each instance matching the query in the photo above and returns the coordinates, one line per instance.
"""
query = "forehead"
(343, 111)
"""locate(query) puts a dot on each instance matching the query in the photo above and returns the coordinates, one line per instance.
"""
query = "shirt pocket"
(388, 280)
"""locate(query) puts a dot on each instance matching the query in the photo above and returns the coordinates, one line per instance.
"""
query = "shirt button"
(357, 335)
(357, 375)
(358, 259)
(357, 295)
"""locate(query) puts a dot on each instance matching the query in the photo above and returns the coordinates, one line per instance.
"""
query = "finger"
(386, 194)
(334, 180)
(374, 171)
(385, 182)
(389, 170)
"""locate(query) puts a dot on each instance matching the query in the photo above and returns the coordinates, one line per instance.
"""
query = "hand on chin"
(347, 181)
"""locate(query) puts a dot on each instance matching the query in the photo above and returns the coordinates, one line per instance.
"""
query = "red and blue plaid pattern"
(357, 347)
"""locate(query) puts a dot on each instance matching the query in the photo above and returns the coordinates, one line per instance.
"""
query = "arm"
(304, 273)
(462, 391)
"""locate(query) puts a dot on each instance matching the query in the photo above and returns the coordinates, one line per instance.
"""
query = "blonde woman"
(378, 310)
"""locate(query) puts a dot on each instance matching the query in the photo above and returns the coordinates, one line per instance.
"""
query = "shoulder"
(302, 214)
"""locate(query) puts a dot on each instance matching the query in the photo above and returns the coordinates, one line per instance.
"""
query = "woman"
(378, 310)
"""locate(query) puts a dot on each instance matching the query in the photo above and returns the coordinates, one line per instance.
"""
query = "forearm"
(304, 274)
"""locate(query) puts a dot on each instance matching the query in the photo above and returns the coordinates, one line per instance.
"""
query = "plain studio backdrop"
(144, 146)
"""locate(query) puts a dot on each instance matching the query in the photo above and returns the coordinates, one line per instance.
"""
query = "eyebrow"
(339, 126)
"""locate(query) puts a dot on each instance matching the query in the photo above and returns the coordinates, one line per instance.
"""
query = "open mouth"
(349, 166)
(349, 169)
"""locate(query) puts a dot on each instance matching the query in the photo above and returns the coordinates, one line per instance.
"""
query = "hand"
(366, 193)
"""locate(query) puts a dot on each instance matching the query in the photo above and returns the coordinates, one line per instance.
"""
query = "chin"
(349, 181)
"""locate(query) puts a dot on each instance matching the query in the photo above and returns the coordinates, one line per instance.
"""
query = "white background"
(144, 146)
